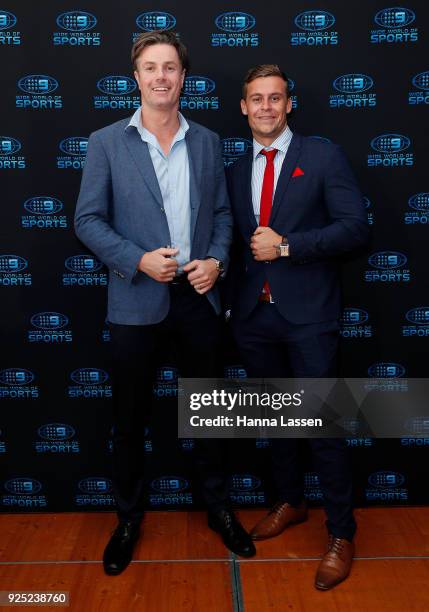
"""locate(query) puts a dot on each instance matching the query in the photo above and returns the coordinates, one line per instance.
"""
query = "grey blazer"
(120, 215)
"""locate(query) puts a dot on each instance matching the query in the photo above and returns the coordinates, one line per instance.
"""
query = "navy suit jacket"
(120, 215)
(322, 214)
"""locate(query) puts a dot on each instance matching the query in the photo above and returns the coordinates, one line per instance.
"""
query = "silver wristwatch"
(219, 264)
(283, 247)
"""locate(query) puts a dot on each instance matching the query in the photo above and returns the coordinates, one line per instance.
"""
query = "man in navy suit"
(153, 206)
(296, 207)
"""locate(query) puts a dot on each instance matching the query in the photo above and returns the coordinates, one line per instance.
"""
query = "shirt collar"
(136, 121)
(281, 143)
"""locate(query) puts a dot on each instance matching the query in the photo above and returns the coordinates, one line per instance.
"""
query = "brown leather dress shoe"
(335, 564)
(279, 517)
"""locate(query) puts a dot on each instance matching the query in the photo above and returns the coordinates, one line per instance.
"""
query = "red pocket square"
(297, 172)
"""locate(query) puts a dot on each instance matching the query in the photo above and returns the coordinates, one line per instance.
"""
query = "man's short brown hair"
(159, 37)
(264, 70)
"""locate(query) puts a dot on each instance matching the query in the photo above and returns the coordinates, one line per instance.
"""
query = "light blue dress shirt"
(281, 143)
(172, 172)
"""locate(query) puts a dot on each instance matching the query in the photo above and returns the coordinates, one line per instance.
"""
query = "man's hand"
(263, 244)
(159, 264)
(202, 274)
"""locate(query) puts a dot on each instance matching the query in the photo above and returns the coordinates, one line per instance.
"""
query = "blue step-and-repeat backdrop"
(359, 75)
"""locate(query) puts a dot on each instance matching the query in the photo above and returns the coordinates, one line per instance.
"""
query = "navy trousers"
(272, 347)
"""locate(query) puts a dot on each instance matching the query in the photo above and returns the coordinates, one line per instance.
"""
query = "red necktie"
(267, 195)
(267, 187)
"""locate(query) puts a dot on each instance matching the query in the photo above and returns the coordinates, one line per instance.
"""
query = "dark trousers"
(272, 347)
(195, 329)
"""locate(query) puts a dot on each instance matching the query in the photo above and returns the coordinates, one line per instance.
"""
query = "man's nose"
(160, 72)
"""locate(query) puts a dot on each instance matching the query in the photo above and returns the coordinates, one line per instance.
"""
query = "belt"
(179, 279)
(266, 297)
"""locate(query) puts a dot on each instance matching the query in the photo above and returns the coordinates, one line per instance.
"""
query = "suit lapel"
(194, 144)
(246, 188)
(289, 164)
(139, 151)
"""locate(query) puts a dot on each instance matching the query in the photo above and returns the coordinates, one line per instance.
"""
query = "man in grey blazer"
(153, 207)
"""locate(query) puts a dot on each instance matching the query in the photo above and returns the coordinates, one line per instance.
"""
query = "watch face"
(284, 250)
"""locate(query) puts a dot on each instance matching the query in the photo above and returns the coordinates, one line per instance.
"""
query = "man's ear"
(243, 106)
(136, 76)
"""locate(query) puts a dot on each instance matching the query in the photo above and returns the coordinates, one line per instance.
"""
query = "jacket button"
(162, 209)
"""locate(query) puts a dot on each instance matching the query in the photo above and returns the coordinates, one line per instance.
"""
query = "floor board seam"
(94, 561)
(237, 591)
(231, 561)
(375, 558)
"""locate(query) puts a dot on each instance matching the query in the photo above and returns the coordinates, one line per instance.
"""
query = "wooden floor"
(180, 565)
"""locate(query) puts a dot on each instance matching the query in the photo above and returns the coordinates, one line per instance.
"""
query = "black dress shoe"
(234, 536)
(119, 551)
